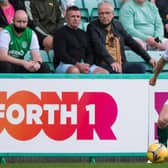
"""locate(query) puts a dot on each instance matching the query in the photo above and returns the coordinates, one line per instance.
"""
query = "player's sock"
(162, 135)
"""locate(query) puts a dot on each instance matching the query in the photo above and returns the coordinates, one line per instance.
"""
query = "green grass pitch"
(84, 165)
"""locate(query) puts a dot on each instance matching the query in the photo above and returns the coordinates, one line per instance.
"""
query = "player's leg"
(162, 129)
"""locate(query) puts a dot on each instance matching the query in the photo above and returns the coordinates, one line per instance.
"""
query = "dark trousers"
(6, 67)
(128, 67)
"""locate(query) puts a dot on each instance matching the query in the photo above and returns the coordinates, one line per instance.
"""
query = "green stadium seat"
(79, 3)
(81, 25)
(85, 26)
(27, 56)
(118, 3)
(116, 13)
(90, 4)
(43, 54)
(133, 57)
(94, 14)
(157, 55)
(47, 58)
(51, 55)
(51, 58)
(84, 14)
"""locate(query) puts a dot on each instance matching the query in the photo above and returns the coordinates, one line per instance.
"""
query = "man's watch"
(39, 63)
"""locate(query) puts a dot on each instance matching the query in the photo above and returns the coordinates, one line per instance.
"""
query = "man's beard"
(19, 29)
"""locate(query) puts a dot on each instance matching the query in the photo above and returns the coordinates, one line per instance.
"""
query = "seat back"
(79, 3)
(51, 60)
(84, 14)
(133, 57)
(90, 4)
(47, 58)
(94, 14)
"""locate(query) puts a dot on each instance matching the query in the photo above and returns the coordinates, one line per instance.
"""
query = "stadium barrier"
(79, 115)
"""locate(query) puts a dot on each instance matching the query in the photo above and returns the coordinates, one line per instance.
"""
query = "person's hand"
(36, 66)
(151, 41)
(152, 81)
(83, 67)
(28, 65)
(116, 67)
(31, 66)
(48, 43)
(153, 62)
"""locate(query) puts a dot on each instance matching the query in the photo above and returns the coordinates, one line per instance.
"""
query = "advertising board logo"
(24, 114)
(160, 99)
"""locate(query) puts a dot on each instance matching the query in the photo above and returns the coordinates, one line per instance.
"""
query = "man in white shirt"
(15, 41)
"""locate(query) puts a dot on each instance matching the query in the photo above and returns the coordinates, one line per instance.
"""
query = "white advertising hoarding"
(157, 97)
(73, 115)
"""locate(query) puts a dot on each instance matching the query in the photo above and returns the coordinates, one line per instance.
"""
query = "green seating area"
(133, 57)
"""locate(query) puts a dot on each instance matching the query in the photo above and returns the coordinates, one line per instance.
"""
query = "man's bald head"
(20, 14)
(20, 21)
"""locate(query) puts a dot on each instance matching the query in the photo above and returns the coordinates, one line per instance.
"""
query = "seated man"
(15, 41)
(108, 38)
(71, 47)
(141, 19)
(46, 18)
